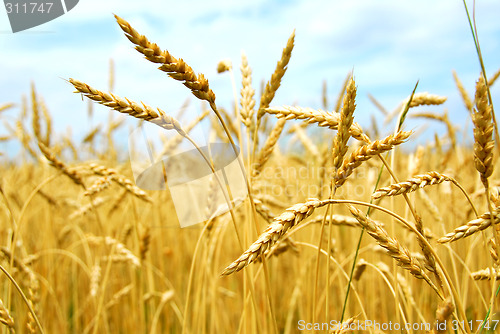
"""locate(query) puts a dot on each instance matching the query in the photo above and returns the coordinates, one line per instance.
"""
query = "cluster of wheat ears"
(84, 252)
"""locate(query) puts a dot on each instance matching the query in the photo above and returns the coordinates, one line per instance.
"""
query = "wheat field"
(341, 229)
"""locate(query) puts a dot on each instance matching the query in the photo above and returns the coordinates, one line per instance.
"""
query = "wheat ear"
(473, 226)
(281, 224)
(121, 180)
(267, 149)
(247, 92)
(120, 248)
(141, 111)
(417, 99)
(57, 163)
(401, 254)
(263, 210)
(339, 220)
(424, 99)
(443, 313)
(320, 117)
(47, 152)
(366, 152)
(48, 122)
(99, 185)
(493, 78)
(463, 92)
(175, 68)
(5, 317)
(305, 140)
(6, 106)
(338, 103)
(345, 123)
(275, 82)
(485, 274)
(36, 114)
(442, 118)
(414, 183)
(483, 133)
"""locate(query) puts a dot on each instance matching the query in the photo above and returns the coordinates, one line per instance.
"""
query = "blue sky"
(389, 44)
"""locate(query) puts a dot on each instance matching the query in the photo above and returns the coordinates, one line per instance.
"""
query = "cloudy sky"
(389, 45)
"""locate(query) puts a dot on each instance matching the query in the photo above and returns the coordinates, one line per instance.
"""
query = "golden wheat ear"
(175, 68)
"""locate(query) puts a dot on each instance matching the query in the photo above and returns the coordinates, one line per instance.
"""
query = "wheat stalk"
(340, 220)
(36, 115)
(442, 118)
(90, 136)
(345, 326)
(417, 99)
(145, 241)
